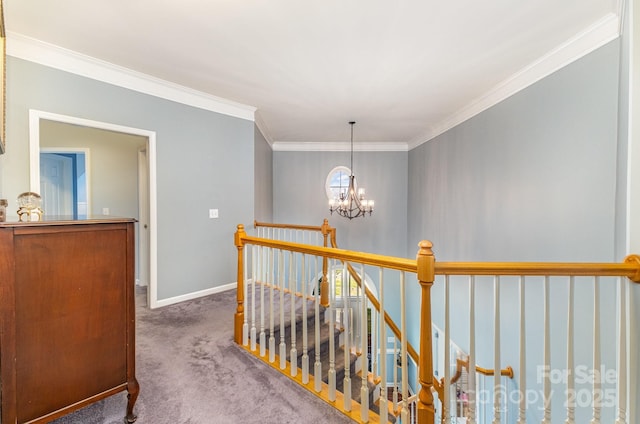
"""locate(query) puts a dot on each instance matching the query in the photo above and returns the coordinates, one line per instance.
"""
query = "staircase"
(308, 359)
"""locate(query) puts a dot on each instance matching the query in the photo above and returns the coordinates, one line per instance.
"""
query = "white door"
(56, 184)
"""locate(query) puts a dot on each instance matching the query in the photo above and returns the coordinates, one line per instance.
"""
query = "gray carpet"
(191, 372)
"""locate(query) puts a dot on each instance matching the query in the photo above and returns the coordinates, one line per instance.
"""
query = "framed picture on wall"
(3, 80)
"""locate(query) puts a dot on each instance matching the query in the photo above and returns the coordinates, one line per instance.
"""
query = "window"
(337, 181)
(354, 289)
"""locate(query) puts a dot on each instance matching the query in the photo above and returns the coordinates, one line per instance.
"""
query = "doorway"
(35, 120)
(64, 182)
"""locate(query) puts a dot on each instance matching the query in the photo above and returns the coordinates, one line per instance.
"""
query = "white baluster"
(275, 276)
(293, 354)
(497, 399)
(375, 334)
(253, 337)
(305, 353)
(404, 414)
(522, 410)
(384, 404)
(245, 283)
(395, 374)
(621, 384)
(266, 279)
(546, 361)
(571, 386)
(597, 383)
(471, 416)
(332, 347)
(364, 389)
(346, 323)
(446, 402)
(283, 346)
(317, 366)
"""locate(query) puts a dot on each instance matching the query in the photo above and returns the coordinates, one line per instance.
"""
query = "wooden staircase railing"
(426, 269)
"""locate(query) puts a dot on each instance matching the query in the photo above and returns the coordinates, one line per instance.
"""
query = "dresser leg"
(133, 388)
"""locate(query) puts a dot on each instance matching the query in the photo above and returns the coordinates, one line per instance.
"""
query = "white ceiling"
(405, 70)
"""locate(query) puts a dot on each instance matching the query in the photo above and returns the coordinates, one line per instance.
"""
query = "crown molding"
(595, 36)
(339, 146)
(46, 54)
(263, 128)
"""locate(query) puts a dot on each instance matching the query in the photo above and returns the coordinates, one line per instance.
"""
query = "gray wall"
(531, 179)
(263, 179)
(299, 196)
(204, 160)
(113, 173)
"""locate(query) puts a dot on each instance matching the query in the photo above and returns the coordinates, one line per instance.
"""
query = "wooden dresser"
(67, 316)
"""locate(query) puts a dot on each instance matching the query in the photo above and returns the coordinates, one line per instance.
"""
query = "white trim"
(338, 146)
(34, 175)
(37, 51)
(631, 17)
(263, 128)
(595, 36)
(621, 8)
(195, 295)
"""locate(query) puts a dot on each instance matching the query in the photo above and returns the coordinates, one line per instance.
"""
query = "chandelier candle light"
(349, 203)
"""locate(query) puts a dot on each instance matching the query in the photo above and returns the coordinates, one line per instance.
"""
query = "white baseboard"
(189, 296)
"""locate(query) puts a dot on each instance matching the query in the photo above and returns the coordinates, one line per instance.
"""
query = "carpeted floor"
(191, 372)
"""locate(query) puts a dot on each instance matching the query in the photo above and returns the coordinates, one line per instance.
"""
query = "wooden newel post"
(426, 274)
(324, 283)
(239, 316)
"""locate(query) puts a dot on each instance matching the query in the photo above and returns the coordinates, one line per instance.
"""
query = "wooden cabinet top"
(62, 220)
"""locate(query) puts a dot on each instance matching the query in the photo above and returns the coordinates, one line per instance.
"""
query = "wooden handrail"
(400, 264)
(461, 363)
(257, 224)
(630, 268)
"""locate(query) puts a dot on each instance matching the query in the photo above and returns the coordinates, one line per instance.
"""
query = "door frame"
(34, 176)
(143, 217)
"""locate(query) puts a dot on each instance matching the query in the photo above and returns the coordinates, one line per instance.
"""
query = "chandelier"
(351, 203)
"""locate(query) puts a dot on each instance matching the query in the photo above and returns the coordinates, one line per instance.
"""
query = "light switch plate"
(213, 213)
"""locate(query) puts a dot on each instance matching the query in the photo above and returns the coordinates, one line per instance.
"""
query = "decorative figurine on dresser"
(29, 207)
(67, 316)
